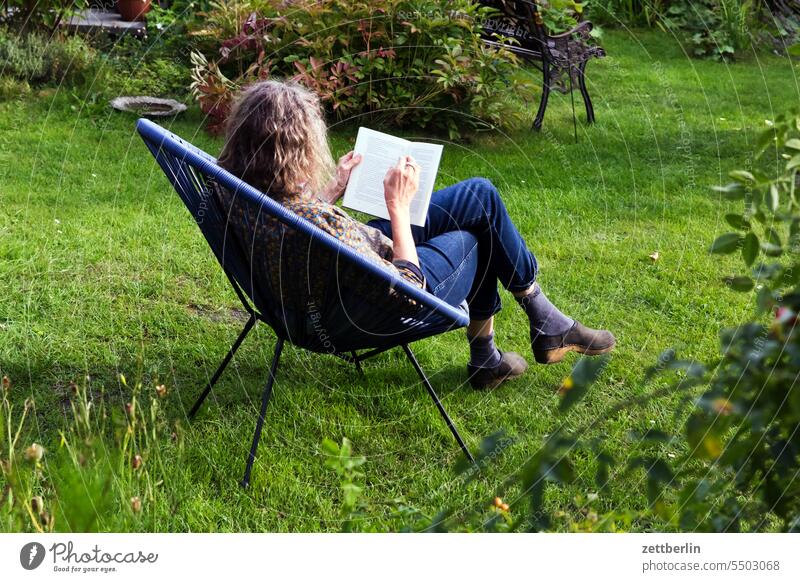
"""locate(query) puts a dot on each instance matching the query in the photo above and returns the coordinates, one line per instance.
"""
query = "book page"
(428, 156)
(380, 152)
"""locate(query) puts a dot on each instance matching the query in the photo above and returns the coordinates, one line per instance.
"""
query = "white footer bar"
(389, 557)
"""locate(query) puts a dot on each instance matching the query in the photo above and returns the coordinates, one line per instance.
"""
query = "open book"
(380, 152)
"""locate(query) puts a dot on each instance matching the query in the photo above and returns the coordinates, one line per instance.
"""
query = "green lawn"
(103, 272)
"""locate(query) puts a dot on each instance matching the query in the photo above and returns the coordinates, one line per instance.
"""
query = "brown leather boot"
(511, 366)
(550, 349)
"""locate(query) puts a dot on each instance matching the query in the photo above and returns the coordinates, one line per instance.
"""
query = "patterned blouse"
(368, 241)
(308, 276)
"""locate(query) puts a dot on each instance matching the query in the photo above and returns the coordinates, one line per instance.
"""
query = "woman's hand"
(400, 185)
(335, 189)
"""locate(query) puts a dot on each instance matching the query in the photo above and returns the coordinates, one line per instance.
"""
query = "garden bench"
(354, 328)
(562, 58)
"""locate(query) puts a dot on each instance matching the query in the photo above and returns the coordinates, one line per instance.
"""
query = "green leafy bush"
(719, 29)
(13, 88)
(39, 60)
(627, 12)
(414, 63)
(754, 397)
(157, 66)
(154, 77)
(561, 15)
(38, 15)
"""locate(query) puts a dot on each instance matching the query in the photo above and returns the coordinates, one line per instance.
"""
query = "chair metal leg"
(247, 327)
(572, 98)
(537, 123)
(273, 369)
(438, 402)
(587, 100)
(357, 362)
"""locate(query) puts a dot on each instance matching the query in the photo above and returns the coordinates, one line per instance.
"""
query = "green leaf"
(656, 468)
(773, 198)
(351, 493)
(732, 191)
(765, 140)
(794, 50)
(773, 237)
(330, 448)
(771, 250)
(764, 300)
(604, 460)
(585, 372)
(750, 248)
(660, 471)
(346, 448)
(560, 471)
(704, 441)
(794, 228)
(743, 176)
(793, 143)
(726, 243)
(737, 221)
(740, 283)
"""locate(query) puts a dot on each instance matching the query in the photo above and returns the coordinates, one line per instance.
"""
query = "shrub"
(560, 15)
(719, 29)
(158, 77)
(755, 399)
(43, 15)
(38, 60)
(407, 63)
(627, 12)
(785, 17)
(157, 66)
(13, 88)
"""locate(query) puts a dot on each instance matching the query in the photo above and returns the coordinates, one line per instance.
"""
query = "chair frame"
(562, 58)
(170, 152)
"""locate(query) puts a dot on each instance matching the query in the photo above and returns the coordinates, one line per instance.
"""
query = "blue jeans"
(468, 245)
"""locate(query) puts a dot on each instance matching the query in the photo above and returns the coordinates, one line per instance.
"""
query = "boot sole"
(494, 383)
(555, 355)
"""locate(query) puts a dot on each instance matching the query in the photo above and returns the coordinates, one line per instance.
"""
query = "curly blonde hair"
(276, 139)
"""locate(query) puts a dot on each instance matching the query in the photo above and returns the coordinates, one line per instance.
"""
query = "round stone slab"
(148, 106)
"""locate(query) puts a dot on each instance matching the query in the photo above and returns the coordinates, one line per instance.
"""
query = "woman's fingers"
(349, 160)
(406, 170)
(409, 166)
(412, 170)
(352, 161)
